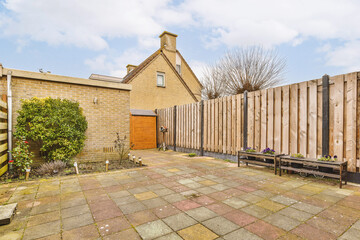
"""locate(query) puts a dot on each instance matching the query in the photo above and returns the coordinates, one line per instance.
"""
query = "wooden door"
(142, 132)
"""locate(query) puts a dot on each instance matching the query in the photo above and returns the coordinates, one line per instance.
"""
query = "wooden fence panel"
(287, 118)
(277, 120)
(3, 136)
(351, 92)
(312, 119)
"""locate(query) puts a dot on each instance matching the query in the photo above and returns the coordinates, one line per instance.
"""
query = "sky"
(80, 37)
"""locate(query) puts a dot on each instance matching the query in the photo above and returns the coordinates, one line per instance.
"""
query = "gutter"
(9, 102)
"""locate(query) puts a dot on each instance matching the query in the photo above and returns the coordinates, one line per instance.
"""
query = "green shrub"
(21, 154)
(57, 126)
(297, 155)
(192, 154)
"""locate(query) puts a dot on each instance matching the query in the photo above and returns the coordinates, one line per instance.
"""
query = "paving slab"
(153, 229)
(197, 231)
(7, 212)
(179, 221)
(220, 225)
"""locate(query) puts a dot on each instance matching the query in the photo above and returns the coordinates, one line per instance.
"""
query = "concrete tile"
(220, 208)
(265, 230)
(201, 214)
(240, 218)
(256, 211)
(241, 234)
(145, 195)
(42, 230)
(283, 200)
(186, 205)
(351, 234)
(141, 217)
(77, 221)
(220, 225)
(179, 221)
(113, 225)
(295, 214)
(86, 232)
(270, 205)
(73, 211)
(307, 208)
(309, 232)
(281, 221)
(165, 211)
(119, 194)
(176, 197)
(43, 218)
(197, 231)
(126, 234)
(250, 198)
(236, 202)
(132, 207)
(153, 229)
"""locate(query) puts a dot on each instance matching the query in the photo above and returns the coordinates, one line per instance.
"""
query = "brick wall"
(108, 116)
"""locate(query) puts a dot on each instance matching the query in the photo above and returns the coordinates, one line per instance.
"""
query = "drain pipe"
(9, 102)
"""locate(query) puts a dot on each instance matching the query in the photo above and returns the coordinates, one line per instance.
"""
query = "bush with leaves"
(21, 154)
(57, 126)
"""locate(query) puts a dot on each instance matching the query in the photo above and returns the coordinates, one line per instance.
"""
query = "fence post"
(325, 113)
(202, 128)
(174, 128)
(245, 119)
(157, 127)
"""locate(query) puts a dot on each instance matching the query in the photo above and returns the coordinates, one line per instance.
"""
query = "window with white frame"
(178, 68)
(160, 79)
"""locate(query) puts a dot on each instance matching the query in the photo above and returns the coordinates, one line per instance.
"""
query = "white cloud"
(233, 23)
(116, 66)
(346, 56)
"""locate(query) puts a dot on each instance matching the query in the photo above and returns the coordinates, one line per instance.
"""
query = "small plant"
(192, 154)
(120, 147)
(268, 151)
(297, 155)
(51, 168)
(250, 150)
(22, 155)
(328, 158)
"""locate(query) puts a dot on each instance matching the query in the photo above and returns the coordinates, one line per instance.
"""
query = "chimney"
(130, 67)
(168, 41)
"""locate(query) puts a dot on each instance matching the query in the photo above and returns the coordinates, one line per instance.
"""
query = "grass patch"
(192, 154)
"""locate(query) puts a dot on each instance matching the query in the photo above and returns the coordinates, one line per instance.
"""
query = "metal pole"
(9, 102)
(325, 113)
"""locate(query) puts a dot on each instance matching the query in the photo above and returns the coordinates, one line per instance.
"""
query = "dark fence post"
(202, 128)
(325, 115)
(157, 127)
(245, 119)
(174, 128)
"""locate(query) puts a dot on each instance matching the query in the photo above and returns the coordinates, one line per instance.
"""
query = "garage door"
(142, 129)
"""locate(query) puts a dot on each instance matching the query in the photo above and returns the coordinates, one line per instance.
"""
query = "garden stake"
(27, 174)
(129, 156)
(134, 159)
(107, 165)
(76, 167)
(140, 162)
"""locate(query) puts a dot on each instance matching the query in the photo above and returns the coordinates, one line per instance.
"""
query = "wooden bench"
(313, 166)
(257, 161)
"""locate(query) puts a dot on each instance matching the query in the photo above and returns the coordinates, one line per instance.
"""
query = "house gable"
(147, 95)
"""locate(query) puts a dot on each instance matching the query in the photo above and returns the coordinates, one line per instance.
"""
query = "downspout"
(9, 103)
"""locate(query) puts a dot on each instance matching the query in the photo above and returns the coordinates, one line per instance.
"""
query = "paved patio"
(177, 197)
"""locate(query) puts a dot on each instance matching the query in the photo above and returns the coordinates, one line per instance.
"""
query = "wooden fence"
(3, 136)
(288, 119)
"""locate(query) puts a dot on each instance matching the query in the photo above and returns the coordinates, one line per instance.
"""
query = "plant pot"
(297, 165)
(326, 169)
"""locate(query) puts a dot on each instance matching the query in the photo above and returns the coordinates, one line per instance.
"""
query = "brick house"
(164, 79)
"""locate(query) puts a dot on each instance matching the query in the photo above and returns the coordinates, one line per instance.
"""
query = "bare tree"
(213, 82)
(248, 69)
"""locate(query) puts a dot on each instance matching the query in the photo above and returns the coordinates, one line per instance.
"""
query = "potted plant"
(297, 165)
(250, 150)
(268, 151)
(327, 158)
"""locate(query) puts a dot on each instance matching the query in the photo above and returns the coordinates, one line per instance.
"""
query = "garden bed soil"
(84, 168)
